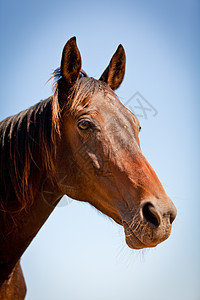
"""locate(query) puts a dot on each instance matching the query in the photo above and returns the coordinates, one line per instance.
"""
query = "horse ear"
(70, 63)
(114, 73)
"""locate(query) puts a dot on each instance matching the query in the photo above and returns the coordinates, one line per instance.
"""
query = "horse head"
(99, 159)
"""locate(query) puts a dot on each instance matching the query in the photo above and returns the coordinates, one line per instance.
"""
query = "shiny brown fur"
(81, 142)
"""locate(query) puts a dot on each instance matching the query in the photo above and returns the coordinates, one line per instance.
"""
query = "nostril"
(151, 215)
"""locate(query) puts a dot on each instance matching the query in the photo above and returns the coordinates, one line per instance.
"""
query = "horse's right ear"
(70, 63)
(114, 73)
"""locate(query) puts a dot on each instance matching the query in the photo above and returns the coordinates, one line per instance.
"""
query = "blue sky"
(79, 254)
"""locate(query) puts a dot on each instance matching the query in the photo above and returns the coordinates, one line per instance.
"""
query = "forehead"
(107, 105)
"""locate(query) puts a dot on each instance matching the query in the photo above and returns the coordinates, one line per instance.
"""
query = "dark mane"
(28, 142)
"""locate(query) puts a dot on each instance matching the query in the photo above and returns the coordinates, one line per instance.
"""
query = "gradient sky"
(78, 254)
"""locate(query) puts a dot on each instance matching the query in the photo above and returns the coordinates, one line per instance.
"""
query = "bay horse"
(81, 142)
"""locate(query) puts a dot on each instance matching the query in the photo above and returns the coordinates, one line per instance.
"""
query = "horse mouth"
(140, 235)
(134, 243)
(133, 240)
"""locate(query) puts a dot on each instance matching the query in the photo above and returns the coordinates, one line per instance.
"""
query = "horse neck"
(18, 230)
(27, 225)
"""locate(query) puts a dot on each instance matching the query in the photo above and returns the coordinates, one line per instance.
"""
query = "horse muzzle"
(150, 225)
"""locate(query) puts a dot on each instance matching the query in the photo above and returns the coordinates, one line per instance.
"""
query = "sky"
(79, 254)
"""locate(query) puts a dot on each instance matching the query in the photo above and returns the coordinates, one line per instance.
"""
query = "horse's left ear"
(70, 63)
(114, 73)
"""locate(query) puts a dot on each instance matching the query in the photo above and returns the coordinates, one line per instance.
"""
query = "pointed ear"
(114, 73)
(70, 63)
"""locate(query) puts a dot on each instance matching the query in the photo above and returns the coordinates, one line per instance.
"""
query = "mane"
(28, 142)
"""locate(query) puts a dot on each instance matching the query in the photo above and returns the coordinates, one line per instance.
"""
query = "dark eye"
(140, 128)
(84, 125)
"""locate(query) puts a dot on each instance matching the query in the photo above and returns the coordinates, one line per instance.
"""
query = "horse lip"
(134, 243)
(132, 240)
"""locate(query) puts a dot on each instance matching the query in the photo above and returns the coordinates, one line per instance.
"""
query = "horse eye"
(140, 128)
(84, 125)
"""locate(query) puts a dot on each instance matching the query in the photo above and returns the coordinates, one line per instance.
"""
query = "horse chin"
(134, 243)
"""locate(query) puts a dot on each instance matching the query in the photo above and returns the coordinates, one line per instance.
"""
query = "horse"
(84, 143)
